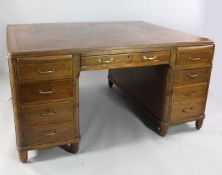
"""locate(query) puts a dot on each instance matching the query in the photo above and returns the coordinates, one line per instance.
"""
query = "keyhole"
(129, 58)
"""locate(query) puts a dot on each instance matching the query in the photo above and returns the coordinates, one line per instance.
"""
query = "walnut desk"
(165, 71)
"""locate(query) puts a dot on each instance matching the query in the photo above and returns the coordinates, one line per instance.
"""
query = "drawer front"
(47, 113)
(192, 75)
(46, 91)
(103, 62)
(189, 92)
(152, 58)
(46, 71)
(125, 60)
(36, 135)
(186, 110)
(190, 56)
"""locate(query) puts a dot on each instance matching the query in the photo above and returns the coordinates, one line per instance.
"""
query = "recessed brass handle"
(193, 75)
(194, 59)
(190, 93)
(188, 110)
(48, 113)
(101, 61)
(46, 92)
(50, 133)
(154, 58)
(50, 70)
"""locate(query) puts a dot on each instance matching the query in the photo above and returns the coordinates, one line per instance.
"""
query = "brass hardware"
(188, 110)
(101, 61)
(48, 113)
(190, 93)
(51, 70)
(50, 133)
(46, 92)
(154, 58)
(194, 59)
(193, 75)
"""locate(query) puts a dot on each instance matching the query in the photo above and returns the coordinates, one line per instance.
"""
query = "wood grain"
(59, 90)
(46, 71)
(75, 37)
(189, 92)
(194, 56)
(44, 114)
(35, 135)
(195, 75)
(143, 84)
(125, 60)
(186, 110)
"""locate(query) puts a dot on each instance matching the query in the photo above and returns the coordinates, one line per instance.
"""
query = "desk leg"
(76, 72)
(23, 156)
(167, 101)
(74, 148)
(199, 123)
(163, 129)
(110, 83)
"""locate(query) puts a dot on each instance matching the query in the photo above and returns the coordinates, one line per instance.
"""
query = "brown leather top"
(41, 38)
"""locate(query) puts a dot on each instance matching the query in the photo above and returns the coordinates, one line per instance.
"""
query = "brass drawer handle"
(50, 134)
(193, 75)
(154, 58)
(51, 70)
(188, 110)
(101, 61)
(190, 93)
(194, 59)
(48, 113)
(46, 92)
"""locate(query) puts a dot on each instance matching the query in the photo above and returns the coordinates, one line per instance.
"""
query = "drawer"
(36, 135)
(192, 75)
(200, 55)
(47, 113)
(103, 61)
(46, 91)
(44, 71)
(190, 92)
(125, 60)
(152, 58)
(186, 110)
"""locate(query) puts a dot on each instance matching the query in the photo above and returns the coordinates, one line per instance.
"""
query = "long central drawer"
(125, 60)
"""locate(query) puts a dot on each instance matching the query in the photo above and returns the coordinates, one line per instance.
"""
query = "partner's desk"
(164, 71)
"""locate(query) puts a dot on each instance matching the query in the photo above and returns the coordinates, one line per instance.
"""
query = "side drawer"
(189, 92)
(46, 91)
(186, 110)
(199, 55)
(36, 135)
(125, 60)
(46, 71)
(192, 75)
(43, 114)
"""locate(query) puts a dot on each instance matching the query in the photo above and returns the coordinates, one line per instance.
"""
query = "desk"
(165, 72)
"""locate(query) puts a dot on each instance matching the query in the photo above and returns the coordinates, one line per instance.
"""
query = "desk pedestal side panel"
(45, 95)
(146, 86)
